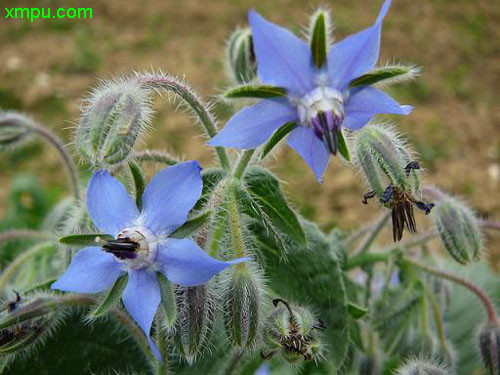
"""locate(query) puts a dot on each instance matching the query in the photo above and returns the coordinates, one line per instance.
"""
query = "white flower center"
(320, 100)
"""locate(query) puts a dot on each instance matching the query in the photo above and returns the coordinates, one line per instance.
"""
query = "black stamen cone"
(122, 248)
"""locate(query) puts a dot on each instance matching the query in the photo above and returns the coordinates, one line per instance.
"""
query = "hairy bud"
(13, 130)
(489, 345)
(386, 163)
(420, 366)
(195, 318)
(241, 298)
(115, 115)
(458, 230)
(293, 332)
(241, 56)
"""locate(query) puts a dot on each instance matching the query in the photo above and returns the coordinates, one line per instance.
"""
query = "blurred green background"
(48, 66)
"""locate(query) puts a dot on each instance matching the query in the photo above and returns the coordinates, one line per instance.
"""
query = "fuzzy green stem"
(217, 233)
(243, 163)
(366, 259)
(374, 233)
(63, 152)
(160, 81)
(161, 366)
(425, 316)
(481, 295)
(155, 156)
(438, 319)
(13, 266)
(235, 226)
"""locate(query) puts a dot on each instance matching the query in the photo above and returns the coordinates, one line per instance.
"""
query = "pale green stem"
(365, 246)
(161, 366)
(235, 226)
(243, 163)
(155, 156)
(438, 319)
(13, 266)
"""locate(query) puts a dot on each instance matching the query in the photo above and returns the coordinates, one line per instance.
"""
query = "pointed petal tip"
(383, 11)
(239, 260)
(406, 109)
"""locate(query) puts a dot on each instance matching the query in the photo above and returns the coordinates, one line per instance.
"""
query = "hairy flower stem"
(374, 233)
(243, 163)
(13, 266)
(165, 82)
(63, 152)
(438, 319)
(483, 297)
(155, 156)
(235, 227)
(23, 234)
(161, 366)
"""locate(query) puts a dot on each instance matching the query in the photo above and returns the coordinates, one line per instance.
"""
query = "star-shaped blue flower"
(319, 100)
(142, 246)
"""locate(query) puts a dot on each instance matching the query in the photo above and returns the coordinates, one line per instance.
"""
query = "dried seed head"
(114, 117)
(14, 130)
(489, 347)
(293, 332)
(195, 319)
(241, 56)
(458, 229)
(422, 366)
(242, 302)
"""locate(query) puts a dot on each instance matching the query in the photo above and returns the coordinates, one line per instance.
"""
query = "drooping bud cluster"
(387, 165)
(195, 319)
(241, 56)
(293, 332)
(420, 366)
(242, 300)
(458, 229)
(489, 345)
(13, 130)
(114, 117)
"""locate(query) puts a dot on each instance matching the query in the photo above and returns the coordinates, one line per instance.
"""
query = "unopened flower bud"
(293, 332)
(386, 163)
(13, 130)
(193, 327)
(489, 345)
(458, 230)
(242, 300)
(241, 56)
(420, 366)
(116, 114)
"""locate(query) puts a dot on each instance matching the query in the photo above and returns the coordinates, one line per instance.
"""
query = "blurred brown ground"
(47, 66)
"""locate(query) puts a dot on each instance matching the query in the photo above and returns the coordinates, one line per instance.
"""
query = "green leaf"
(80, 349)
(319, 39)
(211, 178)
(343, 150)
(355, 310)
(266, 203)
(192, 225)
(84, 239)
(139, 182)
(386, 74)
(277, 136)
(113, 297)
(168, 300)
(311, 275)
(255, 91)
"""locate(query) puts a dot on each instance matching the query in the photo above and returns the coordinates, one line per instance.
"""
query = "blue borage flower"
(142, 246)
(319, 100)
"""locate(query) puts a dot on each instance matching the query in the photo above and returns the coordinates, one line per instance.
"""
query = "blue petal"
(356, 54)
(109, 205)
(169, 197)
(91, 271)
(253, 125)
(185, 263)
(141, 299)
(303, 140)
(365, 102)
(282, 59)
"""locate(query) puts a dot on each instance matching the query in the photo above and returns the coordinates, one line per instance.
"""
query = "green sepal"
(255, 91)
(168, 299)
(342, 146)
(192, 225)
(139, 182)
(356, 311)
(384, 74)
(84, 239)
(319, 43)
(112, 298)
(211, 178)
(277, 136)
